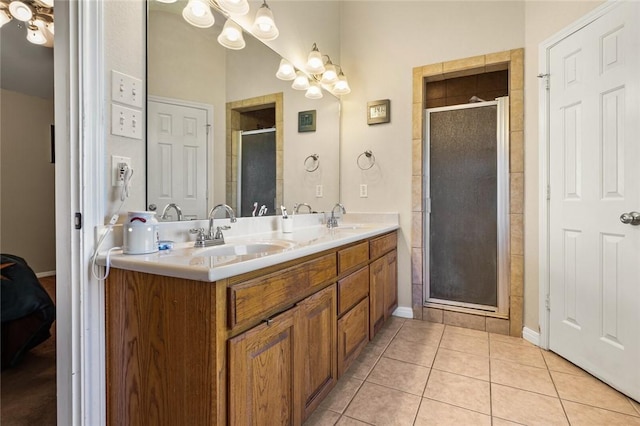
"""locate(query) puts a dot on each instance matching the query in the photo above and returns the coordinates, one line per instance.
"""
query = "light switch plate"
(126, 89)
(126, 122)
(318, 191)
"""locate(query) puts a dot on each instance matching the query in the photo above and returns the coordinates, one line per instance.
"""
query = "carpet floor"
(28, 391)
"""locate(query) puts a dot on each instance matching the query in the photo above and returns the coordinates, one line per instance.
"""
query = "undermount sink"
(246, 248)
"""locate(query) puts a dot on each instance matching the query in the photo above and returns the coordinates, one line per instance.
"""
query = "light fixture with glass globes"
(320, 74)
(37, 16)
(198, 13)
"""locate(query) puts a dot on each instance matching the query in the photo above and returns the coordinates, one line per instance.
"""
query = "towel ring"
(309, 165)
(370, 156)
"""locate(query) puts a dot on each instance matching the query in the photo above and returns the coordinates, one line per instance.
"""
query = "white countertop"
(203, 264)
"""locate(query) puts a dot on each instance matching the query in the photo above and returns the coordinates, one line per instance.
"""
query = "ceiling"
(24, 67)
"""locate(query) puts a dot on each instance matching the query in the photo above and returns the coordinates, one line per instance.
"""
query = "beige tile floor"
(421, 373)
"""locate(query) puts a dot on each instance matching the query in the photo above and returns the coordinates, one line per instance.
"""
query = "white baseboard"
(531, 336)
(45, 274)
(403, 312)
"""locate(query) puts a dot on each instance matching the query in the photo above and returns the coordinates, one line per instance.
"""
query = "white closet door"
(595, 177)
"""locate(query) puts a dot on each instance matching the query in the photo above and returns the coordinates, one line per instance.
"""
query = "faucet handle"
(201, 237)
(219, 230)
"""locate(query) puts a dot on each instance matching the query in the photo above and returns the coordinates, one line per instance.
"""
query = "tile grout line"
(564, 410)
(367, 375)
(433, 361)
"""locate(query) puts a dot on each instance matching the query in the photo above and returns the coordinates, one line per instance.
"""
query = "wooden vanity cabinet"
(383, 281)
(261, 348)
(353, 310)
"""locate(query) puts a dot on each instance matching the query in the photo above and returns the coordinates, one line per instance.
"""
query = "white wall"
(27, 180)
(381, 43)
(543, 19)
(124, 51)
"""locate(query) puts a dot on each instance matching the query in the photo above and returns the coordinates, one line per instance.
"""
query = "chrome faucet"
(296, 207)
(332, 222)
(213, 238)
(174, 206)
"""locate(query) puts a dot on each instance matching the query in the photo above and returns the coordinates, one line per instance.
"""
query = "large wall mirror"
(221, 128)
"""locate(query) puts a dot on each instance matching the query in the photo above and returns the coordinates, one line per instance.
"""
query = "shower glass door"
(466, 220)
(257, 171)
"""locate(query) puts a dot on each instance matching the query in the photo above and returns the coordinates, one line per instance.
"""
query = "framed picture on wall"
(379, 111)
(307, 121)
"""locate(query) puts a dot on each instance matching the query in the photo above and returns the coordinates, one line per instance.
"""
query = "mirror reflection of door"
(177, 153)
(257, 172)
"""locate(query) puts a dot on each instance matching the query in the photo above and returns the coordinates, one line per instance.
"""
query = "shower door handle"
(631, 218)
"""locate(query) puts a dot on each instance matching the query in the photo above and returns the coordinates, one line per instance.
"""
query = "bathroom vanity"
(210, 345)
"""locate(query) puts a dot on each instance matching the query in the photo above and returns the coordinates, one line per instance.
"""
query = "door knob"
(631, 218)
(152, 207)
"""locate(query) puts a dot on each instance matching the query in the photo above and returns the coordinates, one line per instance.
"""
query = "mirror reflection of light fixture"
(198, 13)
(37, 16)
(286, 71)
(301, 81)
(236, 7)
(264, 26)
(231, 36)
(314, 91)
(330, 75)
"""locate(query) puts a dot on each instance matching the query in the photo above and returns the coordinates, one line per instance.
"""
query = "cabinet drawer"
(381, 245)
(353, 334)
(353, 256)
(258, 298)
(352, 289)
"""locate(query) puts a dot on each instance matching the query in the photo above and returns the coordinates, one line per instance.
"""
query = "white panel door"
(177, 158)
(595, 177)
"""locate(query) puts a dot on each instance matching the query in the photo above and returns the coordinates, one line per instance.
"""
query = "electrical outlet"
(119, 166)
(318, 191)
(363, 190)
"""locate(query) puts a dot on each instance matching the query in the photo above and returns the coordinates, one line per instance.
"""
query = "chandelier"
(37, 16)
(198, 13)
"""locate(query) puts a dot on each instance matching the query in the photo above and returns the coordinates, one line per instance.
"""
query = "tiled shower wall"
(511, 61)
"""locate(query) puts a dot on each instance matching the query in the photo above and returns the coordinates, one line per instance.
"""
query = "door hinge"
(208, 126)
(548, 192)
(546, 80)
(547, 302)
(78, 220)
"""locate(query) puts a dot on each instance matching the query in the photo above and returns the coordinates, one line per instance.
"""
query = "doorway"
(257, 172)
(592, 256)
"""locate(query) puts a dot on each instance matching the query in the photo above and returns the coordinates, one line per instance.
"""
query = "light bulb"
(314, 91)
(301, 82)
(264, 27)
(35, 36)
(20, 11)
(314, 61)
(237, 7)
(329, 76)
(231, 36)
(286, 71)
(198, 13)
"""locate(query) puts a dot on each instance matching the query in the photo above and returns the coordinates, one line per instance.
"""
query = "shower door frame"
(502, 209)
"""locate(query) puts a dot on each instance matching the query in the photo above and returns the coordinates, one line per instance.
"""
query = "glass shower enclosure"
(466, 238)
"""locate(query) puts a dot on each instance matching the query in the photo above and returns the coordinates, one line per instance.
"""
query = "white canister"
(140, 233)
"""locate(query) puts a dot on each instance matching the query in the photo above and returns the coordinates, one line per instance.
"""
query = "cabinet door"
(377, 278)
(318, 345)
(263, 386)
(353, 334)
(391, 284)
